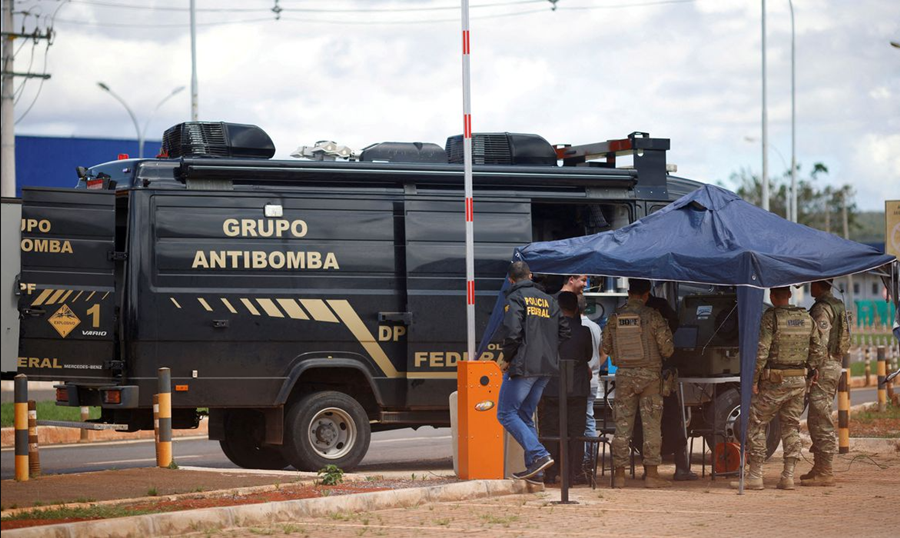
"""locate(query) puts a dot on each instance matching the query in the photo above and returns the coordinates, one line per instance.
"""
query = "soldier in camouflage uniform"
(788, 343)
(638, 339)
(831, 320)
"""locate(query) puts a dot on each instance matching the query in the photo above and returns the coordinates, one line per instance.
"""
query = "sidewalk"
(864, 503)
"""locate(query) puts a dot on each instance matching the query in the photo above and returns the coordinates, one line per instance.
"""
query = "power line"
(649, 3)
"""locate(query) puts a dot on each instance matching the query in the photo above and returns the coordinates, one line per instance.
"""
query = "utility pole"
(8, 152)
(849, 292)
(195, 114)
(765, 119)
(7, 98)
(793, 201)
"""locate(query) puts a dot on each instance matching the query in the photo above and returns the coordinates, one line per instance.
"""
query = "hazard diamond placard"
(64, 320)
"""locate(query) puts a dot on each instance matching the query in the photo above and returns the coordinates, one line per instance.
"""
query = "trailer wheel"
(728, 420)
(326, 428)
(242, 444)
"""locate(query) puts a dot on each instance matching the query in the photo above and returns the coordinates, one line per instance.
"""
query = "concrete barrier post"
(34, 458)
(882, 373)
(164, 445)
(844, 408)
(21, 427)
(85, 416)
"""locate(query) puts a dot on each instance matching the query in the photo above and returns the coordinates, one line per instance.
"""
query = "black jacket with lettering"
(532, 330)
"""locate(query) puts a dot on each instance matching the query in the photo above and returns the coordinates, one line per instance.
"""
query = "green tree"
(817, 207)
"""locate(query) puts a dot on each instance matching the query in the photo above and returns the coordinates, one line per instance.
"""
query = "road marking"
(141, 460)
(402, 439)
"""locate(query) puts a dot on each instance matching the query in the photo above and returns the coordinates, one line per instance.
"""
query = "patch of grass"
(46, 410)
(173, 465)
(499, 520)
(891, 412)
(84, 512)
(152, 492)
(261, 532)
(83, 500)
(339, 516)
(444, 521)
(290, 528)
(37, 504)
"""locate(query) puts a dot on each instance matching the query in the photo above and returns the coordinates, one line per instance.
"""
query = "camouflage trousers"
(786, 401)
(637, 388)
(821, 398)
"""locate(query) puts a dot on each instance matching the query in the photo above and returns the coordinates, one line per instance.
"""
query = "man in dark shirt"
(532, 330)
(578, 348)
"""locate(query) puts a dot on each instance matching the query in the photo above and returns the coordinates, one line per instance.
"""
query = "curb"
(172, 523)
(55, 435)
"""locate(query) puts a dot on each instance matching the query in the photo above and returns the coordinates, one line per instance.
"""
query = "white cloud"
(689, 72)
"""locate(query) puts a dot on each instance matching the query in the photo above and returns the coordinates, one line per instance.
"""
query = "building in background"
(50, 161)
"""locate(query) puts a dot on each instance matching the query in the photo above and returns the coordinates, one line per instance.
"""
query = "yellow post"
(844, 408)
(164, 444)
(34, 457)
(882, 373)
(21, 427)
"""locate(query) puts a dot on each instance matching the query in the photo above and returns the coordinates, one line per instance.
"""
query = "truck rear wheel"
(243, 441)
(326, 428)
(728, 420)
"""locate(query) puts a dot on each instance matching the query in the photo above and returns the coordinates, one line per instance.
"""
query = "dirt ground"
(864, 503)
(135, 483)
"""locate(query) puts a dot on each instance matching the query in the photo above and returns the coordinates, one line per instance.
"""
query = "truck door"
(67, 290)
(436, 283)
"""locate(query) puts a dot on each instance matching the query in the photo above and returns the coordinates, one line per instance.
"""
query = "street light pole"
(765, 120)
(195, 114)
(137, 127)
(152, 114)
(793, 211)
(141, 133)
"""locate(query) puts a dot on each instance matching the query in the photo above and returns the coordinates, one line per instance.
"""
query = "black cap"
(638, 286)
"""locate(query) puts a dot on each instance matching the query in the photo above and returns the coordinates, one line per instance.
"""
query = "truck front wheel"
(243, 441)
(326, 428)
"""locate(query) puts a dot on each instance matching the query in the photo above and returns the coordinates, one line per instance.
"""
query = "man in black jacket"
(578, 348)
(532, 331)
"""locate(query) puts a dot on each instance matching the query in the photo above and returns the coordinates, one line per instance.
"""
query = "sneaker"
(536, 480)
(539, 465)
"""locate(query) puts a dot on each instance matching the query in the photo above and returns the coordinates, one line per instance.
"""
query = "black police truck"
(305, 303)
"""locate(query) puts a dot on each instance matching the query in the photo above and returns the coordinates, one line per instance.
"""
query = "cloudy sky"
(359, 72)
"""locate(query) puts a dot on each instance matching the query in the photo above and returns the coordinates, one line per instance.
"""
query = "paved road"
(427, 448)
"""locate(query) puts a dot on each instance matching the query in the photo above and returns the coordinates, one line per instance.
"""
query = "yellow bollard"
(844, 407)
(164, 444)
(21, 427)
(34, 458)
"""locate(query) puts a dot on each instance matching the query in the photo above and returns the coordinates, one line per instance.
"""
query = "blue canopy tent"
(710, 236)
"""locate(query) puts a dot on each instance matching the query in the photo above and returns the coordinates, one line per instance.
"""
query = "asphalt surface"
(397, 450)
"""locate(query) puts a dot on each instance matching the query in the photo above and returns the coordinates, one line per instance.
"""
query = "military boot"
(652, 478)
(817, 462)
(619, 477)
(787, 475)
(753, 479)
(825, 476)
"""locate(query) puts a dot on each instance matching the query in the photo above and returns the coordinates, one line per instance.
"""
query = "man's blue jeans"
(519, 397)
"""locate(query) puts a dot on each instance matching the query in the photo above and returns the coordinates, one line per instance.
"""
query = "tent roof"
(709, 236)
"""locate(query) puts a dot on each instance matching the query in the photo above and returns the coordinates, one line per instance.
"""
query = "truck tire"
(326, 428)
(729, 412)
(242, 442)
